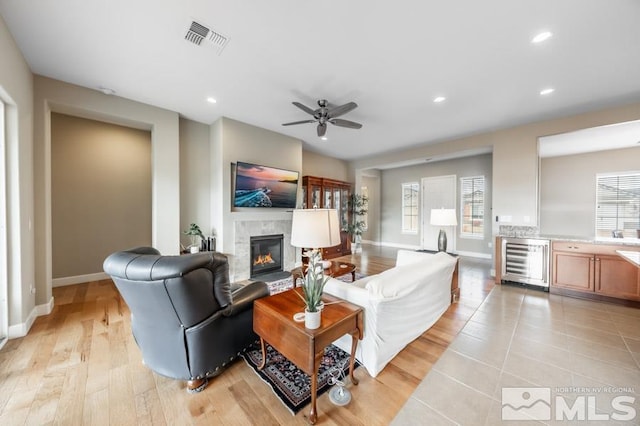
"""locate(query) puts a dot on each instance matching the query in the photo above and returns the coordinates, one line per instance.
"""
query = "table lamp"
(315, 229)
(443, 217)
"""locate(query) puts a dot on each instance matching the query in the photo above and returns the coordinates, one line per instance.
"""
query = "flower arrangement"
(313, 282)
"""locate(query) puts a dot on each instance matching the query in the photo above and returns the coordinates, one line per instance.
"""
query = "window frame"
(412, 228)
(627, 233)
(463, 204)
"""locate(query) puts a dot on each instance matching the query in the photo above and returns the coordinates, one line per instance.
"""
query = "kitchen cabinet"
(327, 193)
(615, 277)
(573, 270)
(595, 269)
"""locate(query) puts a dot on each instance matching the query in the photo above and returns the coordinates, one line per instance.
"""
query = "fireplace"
(266, 254)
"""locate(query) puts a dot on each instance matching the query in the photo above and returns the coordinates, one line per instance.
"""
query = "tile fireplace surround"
(240, 261)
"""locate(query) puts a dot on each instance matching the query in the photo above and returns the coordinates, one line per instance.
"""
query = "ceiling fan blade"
(322, 129)
(345, 123)
(304, 108)
(299, 122)
(342, 109)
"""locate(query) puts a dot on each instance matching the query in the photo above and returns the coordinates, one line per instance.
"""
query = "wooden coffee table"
(336, 270)
(273, 322)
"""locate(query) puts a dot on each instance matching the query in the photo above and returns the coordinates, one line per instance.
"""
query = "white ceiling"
(392, 58)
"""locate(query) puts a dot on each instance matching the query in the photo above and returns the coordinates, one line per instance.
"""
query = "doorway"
(437, 193)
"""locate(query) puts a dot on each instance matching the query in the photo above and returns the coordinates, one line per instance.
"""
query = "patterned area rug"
(292, 386)
(284, 284)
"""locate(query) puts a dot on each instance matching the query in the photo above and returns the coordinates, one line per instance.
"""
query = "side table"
(273, 322)
(336, 269)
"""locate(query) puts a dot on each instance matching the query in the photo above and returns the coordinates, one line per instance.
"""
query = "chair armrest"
(243, 297)
(348, 292)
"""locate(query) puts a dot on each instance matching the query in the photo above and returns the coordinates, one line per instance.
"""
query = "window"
(410, 208)
(472, 205)
(618, 204)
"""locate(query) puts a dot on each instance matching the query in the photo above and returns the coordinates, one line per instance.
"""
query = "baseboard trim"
(400, 246)
(474, 254)
(78, 279)
(412, 247)
(21, 330)
(46, 308)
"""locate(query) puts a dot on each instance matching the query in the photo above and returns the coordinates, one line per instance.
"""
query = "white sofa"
(399, 304)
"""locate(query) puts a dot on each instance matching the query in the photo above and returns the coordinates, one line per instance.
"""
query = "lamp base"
(339, 395)
(442, 241)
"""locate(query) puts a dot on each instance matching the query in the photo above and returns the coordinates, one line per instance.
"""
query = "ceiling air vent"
(197, 33)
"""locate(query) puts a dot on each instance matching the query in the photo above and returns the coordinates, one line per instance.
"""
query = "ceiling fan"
(326, 114)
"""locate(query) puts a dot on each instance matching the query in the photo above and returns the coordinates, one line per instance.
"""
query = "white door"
(437, 193)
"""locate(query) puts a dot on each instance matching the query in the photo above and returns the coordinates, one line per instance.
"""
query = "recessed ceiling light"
(324, 138)
(211, 100)
(439, 99)
(107, 90)
(541, 37)
(548, 91)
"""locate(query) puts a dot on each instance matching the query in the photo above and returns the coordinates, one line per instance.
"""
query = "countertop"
(574, 238)
(631, 256)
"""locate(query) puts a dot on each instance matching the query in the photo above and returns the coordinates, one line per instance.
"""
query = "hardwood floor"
(80, 365)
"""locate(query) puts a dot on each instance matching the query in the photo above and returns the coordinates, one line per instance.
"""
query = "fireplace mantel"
(240, 267)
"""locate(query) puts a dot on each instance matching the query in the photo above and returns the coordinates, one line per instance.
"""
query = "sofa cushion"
(403, 279)
(405, 257)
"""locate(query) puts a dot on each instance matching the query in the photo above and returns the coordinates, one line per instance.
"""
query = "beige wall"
(314, 164)
(372, 182)
(568, 189)
(16, 232)
(195, 178)
(56, 96)
(233, 141)
(515, 158)
(391, 200)
(100, 192)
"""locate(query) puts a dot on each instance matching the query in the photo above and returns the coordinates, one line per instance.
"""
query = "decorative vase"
(442, 241)
(312, 319)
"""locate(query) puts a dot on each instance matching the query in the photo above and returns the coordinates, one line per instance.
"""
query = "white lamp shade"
(315, 228)
(444, 217)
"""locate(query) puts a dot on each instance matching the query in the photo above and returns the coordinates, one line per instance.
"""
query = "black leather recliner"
(187, 319)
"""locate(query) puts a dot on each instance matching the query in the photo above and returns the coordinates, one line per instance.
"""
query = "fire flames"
(263, 259)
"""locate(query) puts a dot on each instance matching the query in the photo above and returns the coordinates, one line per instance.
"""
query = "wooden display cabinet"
(327, 193)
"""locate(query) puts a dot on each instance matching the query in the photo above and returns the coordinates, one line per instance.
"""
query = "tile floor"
(585, 352)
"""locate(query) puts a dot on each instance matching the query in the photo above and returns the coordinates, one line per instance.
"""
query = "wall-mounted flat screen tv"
(262, 186)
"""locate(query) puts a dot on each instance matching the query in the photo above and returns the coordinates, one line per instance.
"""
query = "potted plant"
(358, 206)
(194, 232)
(312, 287)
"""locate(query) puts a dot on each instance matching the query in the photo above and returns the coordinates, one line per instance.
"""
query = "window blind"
(618, 204)
(472, 205)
